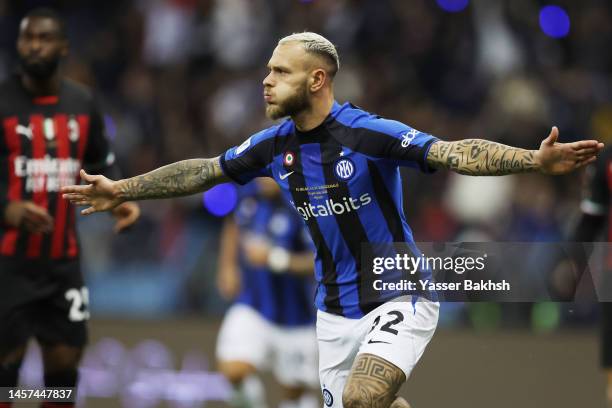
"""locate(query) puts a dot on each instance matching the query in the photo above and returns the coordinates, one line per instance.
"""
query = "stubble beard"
(293, 105)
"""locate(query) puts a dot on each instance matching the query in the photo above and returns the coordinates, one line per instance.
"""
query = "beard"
(293, 105)
(40, 70)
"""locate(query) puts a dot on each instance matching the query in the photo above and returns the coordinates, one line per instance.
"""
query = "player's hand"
(26, 214)
(561, 158)
(99, 194)
(256, 251)
(126, 214)
(228, 283)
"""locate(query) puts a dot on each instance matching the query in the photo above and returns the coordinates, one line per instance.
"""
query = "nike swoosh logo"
(284, 176)
(376, 341)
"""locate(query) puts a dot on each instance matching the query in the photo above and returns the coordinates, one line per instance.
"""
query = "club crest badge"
(344, 169)
(328, 398)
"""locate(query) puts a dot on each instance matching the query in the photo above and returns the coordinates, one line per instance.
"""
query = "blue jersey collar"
(335, 110)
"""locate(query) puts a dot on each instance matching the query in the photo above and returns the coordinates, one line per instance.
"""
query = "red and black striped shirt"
(44, 142)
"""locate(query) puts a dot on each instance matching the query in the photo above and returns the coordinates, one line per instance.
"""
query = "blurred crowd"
(182, 78)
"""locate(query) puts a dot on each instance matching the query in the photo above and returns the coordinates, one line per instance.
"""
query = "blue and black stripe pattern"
(343, 179)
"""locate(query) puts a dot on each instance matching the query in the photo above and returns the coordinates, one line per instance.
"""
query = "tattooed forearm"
(373, 383)
(477, 157)
(177, 179)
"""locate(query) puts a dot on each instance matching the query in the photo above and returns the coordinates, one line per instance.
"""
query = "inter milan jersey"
(284, 299)
(343, 178)
(44, 142)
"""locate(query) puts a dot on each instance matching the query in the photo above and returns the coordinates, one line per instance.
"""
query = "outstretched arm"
(174, 180)
(477, 157)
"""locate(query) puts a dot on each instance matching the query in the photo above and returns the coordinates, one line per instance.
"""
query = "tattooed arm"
(174, 180)
(477, 157)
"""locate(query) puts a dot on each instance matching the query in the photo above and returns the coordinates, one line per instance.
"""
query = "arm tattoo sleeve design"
(373, 383)
(477, 157)
(174, 180)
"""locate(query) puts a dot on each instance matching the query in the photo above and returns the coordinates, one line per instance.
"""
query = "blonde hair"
(316, 44)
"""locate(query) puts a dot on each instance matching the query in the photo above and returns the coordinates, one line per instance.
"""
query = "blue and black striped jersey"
(343, 178)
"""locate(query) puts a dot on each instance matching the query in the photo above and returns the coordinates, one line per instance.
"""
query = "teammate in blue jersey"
(266, 263)
(338, 166)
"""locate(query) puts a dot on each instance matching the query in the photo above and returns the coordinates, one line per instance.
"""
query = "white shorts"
(290, 352)
(395, 331)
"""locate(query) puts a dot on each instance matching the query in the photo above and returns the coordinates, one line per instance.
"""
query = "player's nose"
(267, 81)
(34, 46)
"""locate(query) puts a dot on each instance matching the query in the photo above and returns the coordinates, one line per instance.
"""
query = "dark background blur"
(182, 78)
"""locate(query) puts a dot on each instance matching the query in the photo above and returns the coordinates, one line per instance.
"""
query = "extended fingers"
(585, 144)
(75, 189)
(77, 199)
(588, 150)
(74, 196)
(89, 211)
(584, 162)
(583, 149)
(586, 153)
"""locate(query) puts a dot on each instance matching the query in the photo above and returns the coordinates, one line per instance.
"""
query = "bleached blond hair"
(316, 44)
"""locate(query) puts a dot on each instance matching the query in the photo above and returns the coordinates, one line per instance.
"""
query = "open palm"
(561, 158)
(99, 194)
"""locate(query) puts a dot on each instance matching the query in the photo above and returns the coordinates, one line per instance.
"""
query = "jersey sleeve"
(251, 159)
(99, 157)
(386, 140)
(596, 191)
(405, 146)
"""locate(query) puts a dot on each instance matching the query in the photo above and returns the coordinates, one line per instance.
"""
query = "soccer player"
(595, 218)
(338, 166)
(267, 260)
(50, 128)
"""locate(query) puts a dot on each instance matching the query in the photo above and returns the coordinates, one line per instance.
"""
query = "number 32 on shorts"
(79, 304)
(398, 317)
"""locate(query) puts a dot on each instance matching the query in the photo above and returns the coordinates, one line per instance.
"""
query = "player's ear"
(317, 79)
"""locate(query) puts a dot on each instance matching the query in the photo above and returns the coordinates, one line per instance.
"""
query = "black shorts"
(43, 299)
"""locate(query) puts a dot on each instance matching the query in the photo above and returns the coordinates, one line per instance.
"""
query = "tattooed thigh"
(373, 382)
